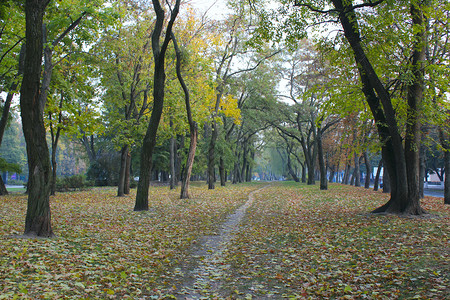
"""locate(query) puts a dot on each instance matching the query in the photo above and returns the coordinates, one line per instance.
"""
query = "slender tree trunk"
(123, 170)
(377, 176)
(211, 156)
(159, 77)
(172, 161)
(189, 163)
(322, 168)
(368, 170)
(447, 176)
(38, 217)
(222, 172)
(357, 171)
(126, 186)
(192, 125)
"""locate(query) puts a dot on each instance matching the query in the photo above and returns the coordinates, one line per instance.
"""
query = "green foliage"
(9, 167)
(71, 183)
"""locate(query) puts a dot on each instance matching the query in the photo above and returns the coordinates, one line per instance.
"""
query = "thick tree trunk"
(386, 182)
(3, 190)
(413, 123)
(38, 217)
(422, 170)
(159, 77)
(393, 151)
(368, 170)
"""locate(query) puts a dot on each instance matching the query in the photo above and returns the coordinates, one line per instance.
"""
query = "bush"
(70, 183)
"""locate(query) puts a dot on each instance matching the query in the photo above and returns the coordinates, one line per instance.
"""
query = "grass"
(295, 242)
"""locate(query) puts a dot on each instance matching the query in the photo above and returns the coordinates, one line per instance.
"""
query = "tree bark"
(38, 217)
(357, 171)
(159, 77)
(394, 154)
(368, 170)
(123, 170)
(126, 186)
(377, 176)
(322, 168)
(413, 123)
(193, 128)
(172, 151)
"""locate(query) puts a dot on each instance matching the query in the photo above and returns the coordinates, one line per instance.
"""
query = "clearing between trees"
(287, 240)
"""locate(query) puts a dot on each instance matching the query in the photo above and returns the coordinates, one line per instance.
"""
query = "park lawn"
(102, 247)
(295, 242)
(299, 242)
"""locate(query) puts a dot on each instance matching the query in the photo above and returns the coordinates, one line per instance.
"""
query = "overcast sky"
(216, 8)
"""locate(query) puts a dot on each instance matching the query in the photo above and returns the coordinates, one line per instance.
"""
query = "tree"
(38, 218)
(159, 53)
(401, 161)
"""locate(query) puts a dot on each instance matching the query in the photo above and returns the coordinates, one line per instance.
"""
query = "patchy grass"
(295, 242)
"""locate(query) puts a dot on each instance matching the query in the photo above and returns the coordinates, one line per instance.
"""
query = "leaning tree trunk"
(38, 217)
(189, 163)
(159, 78)
(380, 103)
(192, 125)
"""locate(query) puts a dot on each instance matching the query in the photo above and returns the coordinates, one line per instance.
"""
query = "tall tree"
(159, 77)
(38, 218)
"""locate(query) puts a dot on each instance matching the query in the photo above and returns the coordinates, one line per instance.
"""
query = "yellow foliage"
(229, 107)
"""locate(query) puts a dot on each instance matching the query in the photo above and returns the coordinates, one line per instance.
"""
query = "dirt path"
(203, 274)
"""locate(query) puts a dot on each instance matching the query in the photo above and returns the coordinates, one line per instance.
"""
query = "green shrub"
(70, 183)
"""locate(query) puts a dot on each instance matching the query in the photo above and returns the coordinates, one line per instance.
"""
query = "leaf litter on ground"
(293, 242)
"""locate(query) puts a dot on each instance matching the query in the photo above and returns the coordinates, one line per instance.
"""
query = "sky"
(217, 8)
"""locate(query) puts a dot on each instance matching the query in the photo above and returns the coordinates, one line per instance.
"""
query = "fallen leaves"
(294, 242)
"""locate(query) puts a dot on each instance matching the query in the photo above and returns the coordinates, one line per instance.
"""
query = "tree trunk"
(189, 163)
(122, 172)
(211, 157)
(447, 176)
(322, 168)
(126, 187)
(192, 125)
(3, 190)
(368, 170)
(386, 182)
(159, 77)
(411, 205)
(172, 161)
(222, 172)
(394, 154)
(377, 176)
(357, 172)
(38, 217)
(422, 171)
